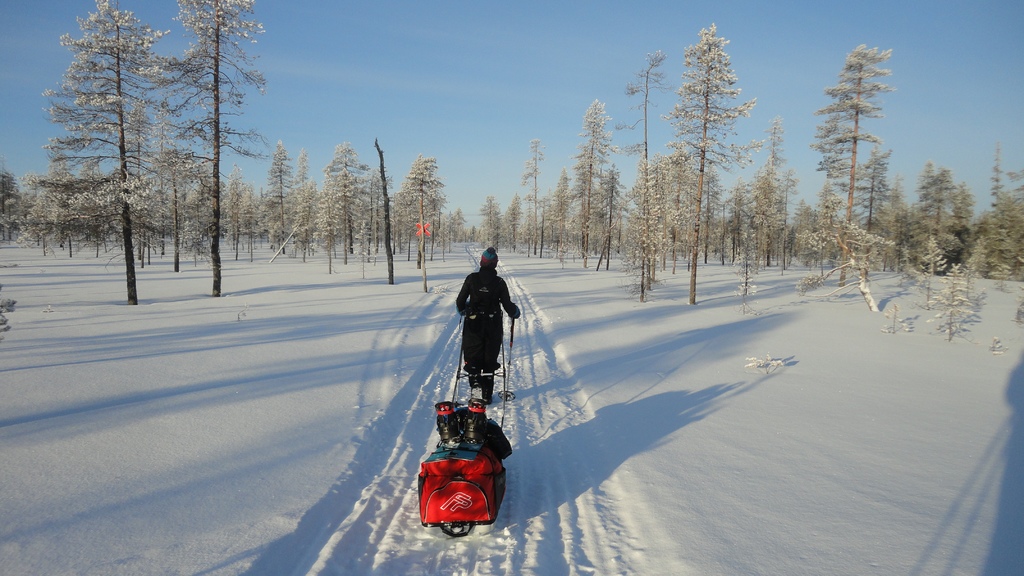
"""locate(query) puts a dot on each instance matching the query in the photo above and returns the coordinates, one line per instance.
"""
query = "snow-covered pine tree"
(280, 178)
(1001, 229)
(71, 208)
(644, 230)
(195, 223)
(894, 221)
(679, 181)
(610, 192)
(303, 214)
(711, 204)
(561, 214)
(233, 208)
(457, 227)
(734, 214)
(148, 210)
(803, 224)
(746, 266)
(855, 244)
(785, 185)
(641, 258)
(931, 263)
(704, 118)
(855, 99)
(955, 303)
(592, 156)
(48, 206)
(648, 80)
(10, 197)
(329, 214)
(423, 188)
(944, 211)
(303, 204)
(898, 324)
(634, 260)
(355, 204)
(490, 227)
(872, 189)
(531, 174)
(113, 73)
(211, 81)
(513, 221)
(766, 218)
(174, 171)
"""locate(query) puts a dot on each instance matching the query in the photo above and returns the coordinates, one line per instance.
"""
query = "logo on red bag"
(458, 501)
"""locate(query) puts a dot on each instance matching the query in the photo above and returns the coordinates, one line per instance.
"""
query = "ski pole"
(458, 368)
(511, 335)
(506, 394)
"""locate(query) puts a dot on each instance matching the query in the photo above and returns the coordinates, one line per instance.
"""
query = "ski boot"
(476, 389)
(487, 388)
(475, 431)
(447, 423)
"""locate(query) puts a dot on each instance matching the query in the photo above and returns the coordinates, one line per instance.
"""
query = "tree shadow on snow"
(588, 454)
(962, 523)
(1006, 554)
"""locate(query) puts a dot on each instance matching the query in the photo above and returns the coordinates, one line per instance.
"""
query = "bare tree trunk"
(696, 223)
(215, 185)
(422, 246)
(388, 250)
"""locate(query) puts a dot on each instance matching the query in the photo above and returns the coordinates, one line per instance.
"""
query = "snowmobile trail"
(556, 505)
(556, 510)
(336, 535)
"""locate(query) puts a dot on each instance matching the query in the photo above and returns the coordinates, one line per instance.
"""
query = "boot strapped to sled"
(475, 427)
(447, 423)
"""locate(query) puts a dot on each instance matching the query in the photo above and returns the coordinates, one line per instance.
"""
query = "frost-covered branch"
(857, 245)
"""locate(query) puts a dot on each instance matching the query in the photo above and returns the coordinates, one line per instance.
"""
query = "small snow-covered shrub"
(898, 324)
(997, 347)
(956, 303)
(768, 364)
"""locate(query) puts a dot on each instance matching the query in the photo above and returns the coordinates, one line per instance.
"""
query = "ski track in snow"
(554, 510)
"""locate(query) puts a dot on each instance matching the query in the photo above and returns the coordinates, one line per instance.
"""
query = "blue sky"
(472, 83)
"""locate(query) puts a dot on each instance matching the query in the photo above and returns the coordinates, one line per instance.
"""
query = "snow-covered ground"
(279, 429)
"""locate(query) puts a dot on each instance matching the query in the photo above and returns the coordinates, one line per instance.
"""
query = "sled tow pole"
(458, 369)
(506, 394)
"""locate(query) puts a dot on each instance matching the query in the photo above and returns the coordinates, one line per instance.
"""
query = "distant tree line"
(677, 212)
(139, 166)
(139, 170)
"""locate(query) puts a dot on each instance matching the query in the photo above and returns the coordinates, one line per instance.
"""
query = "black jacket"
(484, 292)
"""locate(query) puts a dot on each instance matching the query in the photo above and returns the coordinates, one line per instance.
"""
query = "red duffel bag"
(460, 487)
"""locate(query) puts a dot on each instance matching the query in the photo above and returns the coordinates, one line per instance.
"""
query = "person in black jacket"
(483, 296)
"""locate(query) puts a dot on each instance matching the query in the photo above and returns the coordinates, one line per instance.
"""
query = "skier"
(481, 300)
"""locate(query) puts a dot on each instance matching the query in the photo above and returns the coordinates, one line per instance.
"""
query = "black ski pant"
(481, 343)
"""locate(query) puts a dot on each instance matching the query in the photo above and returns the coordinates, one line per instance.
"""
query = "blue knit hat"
(489, 259)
